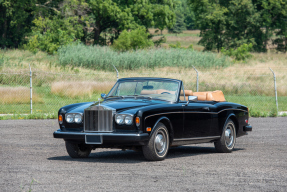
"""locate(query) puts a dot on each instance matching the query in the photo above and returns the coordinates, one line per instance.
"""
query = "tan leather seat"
(187, 93)
(218, 95)
(210, 96)
(201, 96)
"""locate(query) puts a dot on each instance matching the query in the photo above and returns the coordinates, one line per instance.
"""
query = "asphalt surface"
(31, 159)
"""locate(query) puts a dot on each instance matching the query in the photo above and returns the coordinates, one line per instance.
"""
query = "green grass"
(50, 105)
(260, 106)
(102, 58)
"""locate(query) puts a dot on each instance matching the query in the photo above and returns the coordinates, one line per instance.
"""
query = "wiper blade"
(114, 97)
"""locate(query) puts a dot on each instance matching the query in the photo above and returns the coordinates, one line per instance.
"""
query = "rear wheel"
(76, 150)
(227, 141)
(158, 145)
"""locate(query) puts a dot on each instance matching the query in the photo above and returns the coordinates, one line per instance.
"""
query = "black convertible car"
(152, 114)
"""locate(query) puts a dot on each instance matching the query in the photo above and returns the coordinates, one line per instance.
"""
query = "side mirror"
(103, 96)
(192, 98)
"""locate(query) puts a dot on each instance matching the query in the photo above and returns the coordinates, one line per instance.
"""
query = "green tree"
(57, 28)
(211, 20)
(274, 20)
(179, 25)
(133, 40)
(232, 23)
(15, 21)
(114, 15)
(189, 17)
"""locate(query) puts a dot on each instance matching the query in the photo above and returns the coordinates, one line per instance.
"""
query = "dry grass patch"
(17, 95)
(80, 89)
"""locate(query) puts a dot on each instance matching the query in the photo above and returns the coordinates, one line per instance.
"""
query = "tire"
(158, 144)
(76, 150)
(228, 138)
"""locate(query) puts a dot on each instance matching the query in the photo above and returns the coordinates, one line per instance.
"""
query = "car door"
(197, 120)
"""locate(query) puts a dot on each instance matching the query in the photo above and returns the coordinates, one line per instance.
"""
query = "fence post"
(117, 72)
(275, 88)
(30, 89)
(196, 78)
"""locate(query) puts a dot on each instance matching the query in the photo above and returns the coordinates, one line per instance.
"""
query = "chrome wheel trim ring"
(229, 135)
(160, 142)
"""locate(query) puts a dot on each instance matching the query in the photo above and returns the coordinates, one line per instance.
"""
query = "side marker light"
(148, 129)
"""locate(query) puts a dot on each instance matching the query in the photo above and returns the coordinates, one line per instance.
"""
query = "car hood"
(126, 104)
(119, 105)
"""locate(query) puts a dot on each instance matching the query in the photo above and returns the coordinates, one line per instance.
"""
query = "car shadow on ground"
(130, 156)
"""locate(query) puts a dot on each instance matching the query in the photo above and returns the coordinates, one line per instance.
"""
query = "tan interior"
(201, 96)
(158, 91)
(204, 96)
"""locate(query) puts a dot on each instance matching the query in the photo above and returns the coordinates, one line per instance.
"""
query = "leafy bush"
(133, 40)
(241, 53)
(102, 58)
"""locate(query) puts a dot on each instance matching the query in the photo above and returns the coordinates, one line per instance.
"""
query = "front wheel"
(227, 141)
(76, 150)
(158, 144)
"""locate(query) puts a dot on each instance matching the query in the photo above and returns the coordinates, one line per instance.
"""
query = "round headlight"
(78, 118)
(128, 120)
(119, 119)
(69, 118)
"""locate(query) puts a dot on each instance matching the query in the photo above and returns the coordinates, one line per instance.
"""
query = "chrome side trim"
(194, 112)
(196, 138)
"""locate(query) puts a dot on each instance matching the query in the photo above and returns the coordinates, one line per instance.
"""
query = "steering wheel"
(165, 93)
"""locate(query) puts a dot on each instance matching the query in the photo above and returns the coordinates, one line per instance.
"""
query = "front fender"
(166, 122)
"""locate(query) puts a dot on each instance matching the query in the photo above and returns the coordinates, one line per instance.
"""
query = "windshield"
(154, 89)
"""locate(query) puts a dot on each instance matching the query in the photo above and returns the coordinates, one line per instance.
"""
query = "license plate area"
(94, 139)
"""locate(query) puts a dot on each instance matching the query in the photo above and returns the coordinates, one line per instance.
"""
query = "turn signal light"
(60, 119)
(148, 129)
(137, 121)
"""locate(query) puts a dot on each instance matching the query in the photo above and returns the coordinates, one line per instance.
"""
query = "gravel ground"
(32, 159)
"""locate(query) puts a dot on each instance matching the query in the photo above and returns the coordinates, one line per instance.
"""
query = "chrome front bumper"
(103, 138)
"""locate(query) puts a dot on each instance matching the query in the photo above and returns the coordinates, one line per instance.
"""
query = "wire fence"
(253, 87)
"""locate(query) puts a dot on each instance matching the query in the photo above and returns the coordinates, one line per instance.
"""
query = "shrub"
(241, 53)
(133, 40)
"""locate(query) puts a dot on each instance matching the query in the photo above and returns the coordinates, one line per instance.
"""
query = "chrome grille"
(98, 119)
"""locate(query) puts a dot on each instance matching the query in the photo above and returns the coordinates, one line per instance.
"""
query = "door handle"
(205, 108)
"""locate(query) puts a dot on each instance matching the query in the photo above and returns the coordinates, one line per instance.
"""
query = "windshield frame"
(139, 79)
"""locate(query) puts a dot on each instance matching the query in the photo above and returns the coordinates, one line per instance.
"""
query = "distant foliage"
(133, 40)
(241, 53)
(157, 43)
(179, 25)
(102, 58)
(178, 46)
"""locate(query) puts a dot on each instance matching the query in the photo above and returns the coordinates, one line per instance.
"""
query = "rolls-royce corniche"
(151, 115)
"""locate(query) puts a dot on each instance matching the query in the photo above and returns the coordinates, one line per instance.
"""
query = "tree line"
(48, 24)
